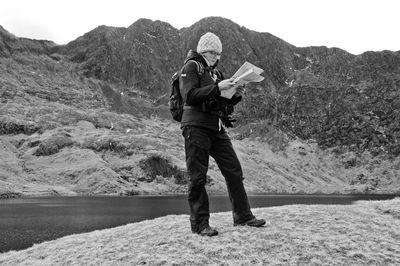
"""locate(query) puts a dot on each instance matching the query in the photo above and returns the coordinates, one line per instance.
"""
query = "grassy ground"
(365, 233)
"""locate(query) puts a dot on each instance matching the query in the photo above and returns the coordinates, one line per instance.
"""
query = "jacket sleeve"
(191, 91)
(235, 100)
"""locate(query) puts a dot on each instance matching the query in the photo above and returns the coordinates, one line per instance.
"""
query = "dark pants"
(200, 143)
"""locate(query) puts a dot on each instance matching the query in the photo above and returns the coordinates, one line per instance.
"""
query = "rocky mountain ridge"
(91, 117)
(143, 57)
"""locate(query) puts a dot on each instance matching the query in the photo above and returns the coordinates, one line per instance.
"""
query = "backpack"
(175, 99)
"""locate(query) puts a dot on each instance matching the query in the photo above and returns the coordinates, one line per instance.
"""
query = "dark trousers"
(200, 143)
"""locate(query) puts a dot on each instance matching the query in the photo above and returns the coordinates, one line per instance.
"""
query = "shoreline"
(117, 211)
(13, 195)
(363, 233)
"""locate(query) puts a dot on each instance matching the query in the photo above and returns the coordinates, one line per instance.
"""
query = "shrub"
(10, 195)
(156, 165)
(14, 126)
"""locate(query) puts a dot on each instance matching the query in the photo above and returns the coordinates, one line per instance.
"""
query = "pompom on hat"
(209, 42)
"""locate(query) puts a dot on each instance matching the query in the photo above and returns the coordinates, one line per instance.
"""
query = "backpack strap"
(200, 67)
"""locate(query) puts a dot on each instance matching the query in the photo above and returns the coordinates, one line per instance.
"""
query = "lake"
(26, 221)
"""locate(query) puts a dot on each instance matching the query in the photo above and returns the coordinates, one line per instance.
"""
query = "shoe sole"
(251, 225)
(209, 235)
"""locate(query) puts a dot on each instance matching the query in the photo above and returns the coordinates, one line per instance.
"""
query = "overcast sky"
(353, 25)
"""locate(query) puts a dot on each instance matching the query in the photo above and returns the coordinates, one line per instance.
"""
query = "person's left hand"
(240, 90)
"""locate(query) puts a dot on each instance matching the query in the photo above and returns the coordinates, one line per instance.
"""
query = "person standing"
(205, 116)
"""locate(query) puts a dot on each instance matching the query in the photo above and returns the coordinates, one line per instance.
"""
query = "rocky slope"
(91, 117)
(312, 92)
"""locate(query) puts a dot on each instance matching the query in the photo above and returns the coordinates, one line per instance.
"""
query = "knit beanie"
(209, 42)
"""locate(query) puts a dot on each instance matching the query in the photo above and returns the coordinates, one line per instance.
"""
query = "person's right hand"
(226, 84)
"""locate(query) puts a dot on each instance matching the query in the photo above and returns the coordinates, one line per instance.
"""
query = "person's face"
(212, 57)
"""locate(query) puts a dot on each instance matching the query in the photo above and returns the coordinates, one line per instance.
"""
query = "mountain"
(91, 117)
(323, 82)
(147, 53)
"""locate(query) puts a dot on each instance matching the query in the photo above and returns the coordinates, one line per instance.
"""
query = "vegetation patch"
(156, 165)
(53, 144)
(363, 117)
(122, 146)
(10, 195)
(10, 126)
(127, 173)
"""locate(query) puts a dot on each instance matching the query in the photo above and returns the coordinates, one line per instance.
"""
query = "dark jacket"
(201, 95)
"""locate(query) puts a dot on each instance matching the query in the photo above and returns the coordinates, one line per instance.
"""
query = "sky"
(353, 25)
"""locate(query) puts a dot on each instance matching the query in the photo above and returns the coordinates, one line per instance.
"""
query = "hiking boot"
(208, 231)
(253, 222)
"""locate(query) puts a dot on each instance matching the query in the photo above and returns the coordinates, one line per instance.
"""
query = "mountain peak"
(216, 20)
(144, 24)
(218, 25)
(5, 33)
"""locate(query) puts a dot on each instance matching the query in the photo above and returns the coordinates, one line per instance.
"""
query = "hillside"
(91, 117)
(311, 92)
(365, 233)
